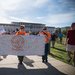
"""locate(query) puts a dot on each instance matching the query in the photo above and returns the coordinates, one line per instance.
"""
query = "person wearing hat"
(21, 32)
(71, 43)
(47, 35)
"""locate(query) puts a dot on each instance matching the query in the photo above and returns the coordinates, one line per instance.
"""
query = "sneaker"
(42, 60)
(46, 61)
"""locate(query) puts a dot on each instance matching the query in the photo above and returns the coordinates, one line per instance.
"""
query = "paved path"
(33, 66)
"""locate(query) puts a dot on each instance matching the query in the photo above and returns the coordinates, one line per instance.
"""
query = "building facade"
(33, 27)
(51, 29)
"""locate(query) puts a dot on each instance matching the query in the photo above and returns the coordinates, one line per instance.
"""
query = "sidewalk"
(33, 66)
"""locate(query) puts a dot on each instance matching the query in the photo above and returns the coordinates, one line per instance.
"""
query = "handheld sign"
(22, 45)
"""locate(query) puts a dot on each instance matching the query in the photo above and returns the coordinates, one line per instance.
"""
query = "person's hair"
(73, 24)
(45, 28)
(22, 26)
(17, 29)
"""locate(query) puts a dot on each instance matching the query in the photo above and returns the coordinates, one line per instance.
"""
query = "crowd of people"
(50, 39)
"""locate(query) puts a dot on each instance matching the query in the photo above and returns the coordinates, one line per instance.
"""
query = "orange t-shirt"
(47, 36)
(21, 33)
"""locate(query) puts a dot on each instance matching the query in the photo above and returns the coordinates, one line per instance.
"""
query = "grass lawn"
(59, 53)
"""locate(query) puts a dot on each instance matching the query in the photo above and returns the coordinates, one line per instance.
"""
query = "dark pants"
(20, 58)
(44, 57)
(49, 47)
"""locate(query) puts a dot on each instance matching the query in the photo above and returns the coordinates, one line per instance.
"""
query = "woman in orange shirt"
(21, 32)
(47, 39)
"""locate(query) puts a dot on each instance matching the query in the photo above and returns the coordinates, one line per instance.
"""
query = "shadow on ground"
(28, 62)
(21, 70)
(54, 56)
(59, 49)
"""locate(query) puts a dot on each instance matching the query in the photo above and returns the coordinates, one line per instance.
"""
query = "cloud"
(28, 5)
(5, 6)
(15, 19)
(8, 4)
(42, 11)
(4, 20)
(40, 3)
(20, 10)
(60, 18)
(61, 6)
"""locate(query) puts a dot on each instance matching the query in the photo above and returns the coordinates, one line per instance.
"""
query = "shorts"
(70, 47)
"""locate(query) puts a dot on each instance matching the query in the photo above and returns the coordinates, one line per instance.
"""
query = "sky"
(53, 13)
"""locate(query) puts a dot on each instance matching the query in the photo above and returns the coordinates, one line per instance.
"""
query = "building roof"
(7, 24)
(50, 27)
(27, 23)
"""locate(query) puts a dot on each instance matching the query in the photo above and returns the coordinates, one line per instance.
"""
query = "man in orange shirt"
(21, 32)
(47, 39)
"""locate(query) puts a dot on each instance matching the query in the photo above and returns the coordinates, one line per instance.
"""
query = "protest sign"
(21, 45)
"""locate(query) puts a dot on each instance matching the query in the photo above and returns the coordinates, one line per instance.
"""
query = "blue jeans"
(44, 57)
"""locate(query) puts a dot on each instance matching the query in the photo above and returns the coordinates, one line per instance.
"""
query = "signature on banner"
(17, 43)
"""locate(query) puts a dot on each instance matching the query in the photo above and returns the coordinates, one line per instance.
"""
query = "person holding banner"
(21, 32)
(47, 39)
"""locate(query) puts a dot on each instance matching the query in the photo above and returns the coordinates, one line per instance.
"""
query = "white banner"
(22, 45)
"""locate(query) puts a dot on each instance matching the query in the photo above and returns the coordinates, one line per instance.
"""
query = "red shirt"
(71, 37)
